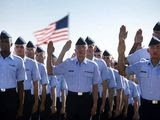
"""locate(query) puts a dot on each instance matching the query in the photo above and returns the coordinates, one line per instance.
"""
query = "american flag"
(55, 32)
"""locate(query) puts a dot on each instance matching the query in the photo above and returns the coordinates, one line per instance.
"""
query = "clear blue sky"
(99, 19)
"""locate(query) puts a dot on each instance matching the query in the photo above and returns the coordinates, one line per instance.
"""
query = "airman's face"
(54, 60)
(154, 51)
(5, 44)
(107, 59)
(30, 52)
(98, 55)
(90, 50)
(156, 34)
(19, 50)
(40, 57)
(81, 51)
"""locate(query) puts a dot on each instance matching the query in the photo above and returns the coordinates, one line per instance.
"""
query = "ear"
(14, 49)
(44, 56)
(149, 50)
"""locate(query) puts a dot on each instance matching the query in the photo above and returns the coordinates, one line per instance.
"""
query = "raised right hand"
(138, 37)
(50, 48)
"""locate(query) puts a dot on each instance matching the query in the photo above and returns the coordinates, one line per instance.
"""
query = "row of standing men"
(87, 87)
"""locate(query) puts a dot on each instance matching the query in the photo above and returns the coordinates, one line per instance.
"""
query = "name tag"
(27, 69)
(12, 65)
(143, 71)
(70, 70)
(88, 71)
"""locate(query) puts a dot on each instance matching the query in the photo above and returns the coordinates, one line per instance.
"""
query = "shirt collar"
(150, 63)
(94, 58)
(84, 61)
(10, 56)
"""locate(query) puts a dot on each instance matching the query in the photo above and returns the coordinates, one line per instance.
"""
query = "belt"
(79, 93)
(8, 90)
(154, 102)
(27, 91)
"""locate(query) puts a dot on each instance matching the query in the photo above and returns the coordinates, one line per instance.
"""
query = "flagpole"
(68, 25)
(69, 55)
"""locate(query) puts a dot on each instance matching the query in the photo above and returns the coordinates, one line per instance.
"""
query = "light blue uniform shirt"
(111, 78)
(138, 55)
(32, 73)
(52, 83)
(139, 91)
(148, 78)
(103, 73)
(44, 76)
(126, 86)
(12, 70)
(134, 93)
(118, 79)
(102, 68)
(79, 77)
(60, 85)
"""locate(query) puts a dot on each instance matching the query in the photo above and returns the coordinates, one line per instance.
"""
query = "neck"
(40, 61)
(80, 60)
(5, 53)
(30, 57)
(22, 56)
(108, 64)
(90, 57)
(155, 61)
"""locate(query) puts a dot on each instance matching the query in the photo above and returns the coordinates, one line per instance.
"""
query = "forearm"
(136, 105)
(104, 92)
(21, 93)
(35, 84)
(118, 99)
(126, 104)
(49, 65)
(121, 64)
(134, 48)
(60, 57)
(53, 94)
(111, 98)
(63, 99)
(43, 94)
(95, 94)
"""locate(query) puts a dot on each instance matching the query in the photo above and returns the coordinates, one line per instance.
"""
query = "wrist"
(121, 38)
(42, 103)
(36, 102)
(103, 105)
(53, 105)
(49, 57)
(63, 106)
(95, 105)
(136, 112)
(110, 111)
(121, 54)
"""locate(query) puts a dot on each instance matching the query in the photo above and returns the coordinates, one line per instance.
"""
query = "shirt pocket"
(144, 73)
(71, 72)
(158, 73)
(12, 68)
(28, 71)
(88, 73)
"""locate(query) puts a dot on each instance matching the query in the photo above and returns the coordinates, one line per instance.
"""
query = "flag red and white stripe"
(52, 33)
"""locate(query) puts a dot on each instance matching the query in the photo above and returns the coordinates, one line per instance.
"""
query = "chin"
(155, 57)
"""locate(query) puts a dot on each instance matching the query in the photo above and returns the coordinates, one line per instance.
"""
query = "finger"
(142, 38)
(69, 41)
(121, 28)
(140, 31)
(127, 33)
